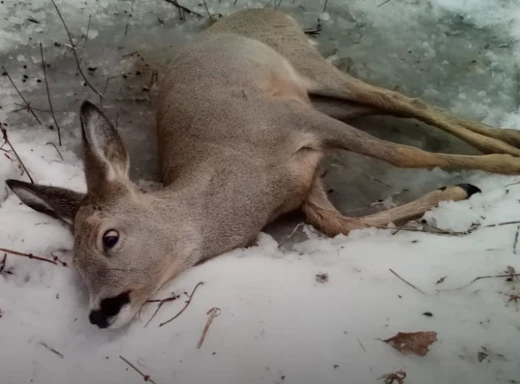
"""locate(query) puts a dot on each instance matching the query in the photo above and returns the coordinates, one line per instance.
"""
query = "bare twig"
(383, 3)
(3, 263)
(58, 129)
(183, 8)
(74, 51)
(361, 344)
(406, 282)
(27, 104)
(213, 312)
(507, 275)
(290, 235)
(54, 261)
(516, 239)
(161, 302)
(88, 27)
(6, 140)
(145, 377)
(325, 6)
(56, 148)
(52, 350)
(185, 306)
(207, 10)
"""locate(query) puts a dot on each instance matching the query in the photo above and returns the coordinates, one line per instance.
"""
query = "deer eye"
(110, 239)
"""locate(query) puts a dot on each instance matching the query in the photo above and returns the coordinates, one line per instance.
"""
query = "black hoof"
(470, 189)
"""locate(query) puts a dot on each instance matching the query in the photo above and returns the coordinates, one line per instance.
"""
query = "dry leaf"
(322, 277)
(416, 343)
(397, 377)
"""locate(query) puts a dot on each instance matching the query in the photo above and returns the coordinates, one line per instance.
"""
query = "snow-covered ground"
(279, 321)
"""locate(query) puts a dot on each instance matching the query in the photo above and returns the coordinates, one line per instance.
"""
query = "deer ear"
(59, 203)
(105, 156)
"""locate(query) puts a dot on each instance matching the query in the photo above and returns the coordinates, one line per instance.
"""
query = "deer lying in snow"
(242, 130)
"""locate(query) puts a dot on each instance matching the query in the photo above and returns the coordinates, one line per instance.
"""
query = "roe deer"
(240, 137)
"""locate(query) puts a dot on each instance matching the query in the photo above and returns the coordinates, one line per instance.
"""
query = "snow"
(277, 324)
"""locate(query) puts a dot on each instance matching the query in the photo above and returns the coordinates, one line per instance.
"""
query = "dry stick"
(27, 104)
(6, 139)
(383, 3)
(183, 8)
(52, 350)
(3, 264)
(359, 341)
(74, 51)
(88, 27)
(213, 312)
(31, 256)
(516, 239)
(58, 129)
(291, 234)
(510, 275)
(184, 308)
(161, 302)
(56, 148)
(403, 280)
(207, 10)
(145, 377)
(325, 5)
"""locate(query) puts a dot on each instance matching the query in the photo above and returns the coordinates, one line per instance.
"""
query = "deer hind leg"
(334, 134)
(285, 36)
(482, 137)
(322, 215)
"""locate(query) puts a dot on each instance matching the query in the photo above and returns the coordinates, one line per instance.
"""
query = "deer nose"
(98, 318)
(109, 307)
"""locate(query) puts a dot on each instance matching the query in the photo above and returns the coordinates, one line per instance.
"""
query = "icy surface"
(277, 323)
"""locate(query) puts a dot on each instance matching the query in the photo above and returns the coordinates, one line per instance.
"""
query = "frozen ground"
(277, 323)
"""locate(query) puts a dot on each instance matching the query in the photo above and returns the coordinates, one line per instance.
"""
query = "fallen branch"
(54, 261)
(6, 140)
(145, 377)
(73, 47)
(213, 312)
(161, 302)
(290, 235)
(510, 275)
(49, 96)
(182, 8)
(406, 282)
(27, 104)
(516, 239)
(52, 350)
(185, 306)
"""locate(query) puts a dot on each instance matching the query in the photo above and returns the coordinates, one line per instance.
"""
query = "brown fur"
(246, 112)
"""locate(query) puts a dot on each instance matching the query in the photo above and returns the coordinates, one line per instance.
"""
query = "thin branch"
(56, 148)
(145, 377)
(516, 239)
(161, 302)
(6, 140)
(183, 8)
(74, 51)
(185, 306)
(58, 129)
(508, 275)
(406, 282)
(325, 6)
(213, 312)
(54, 261)
(207, 10)
(383, 3)
(88, 28)
(52, 350)
(361, 344)
(290, 235)
(27, 104)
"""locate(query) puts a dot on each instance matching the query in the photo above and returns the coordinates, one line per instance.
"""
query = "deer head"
(125, 240)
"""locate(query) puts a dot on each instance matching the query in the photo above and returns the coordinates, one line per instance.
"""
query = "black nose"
(98, 318)
(108, 308)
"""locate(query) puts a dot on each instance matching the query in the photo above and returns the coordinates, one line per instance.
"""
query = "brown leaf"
(415, 343)
(397, 377)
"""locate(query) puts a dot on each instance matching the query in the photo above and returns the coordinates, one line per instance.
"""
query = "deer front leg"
(322, 215)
